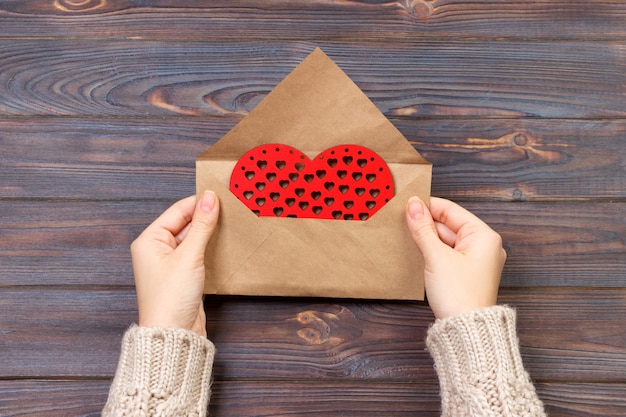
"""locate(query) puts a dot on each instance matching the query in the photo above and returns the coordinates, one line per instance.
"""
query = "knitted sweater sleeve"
(161, 372)
(479, 365)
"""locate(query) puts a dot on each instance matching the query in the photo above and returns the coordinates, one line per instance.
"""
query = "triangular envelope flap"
(315, 107)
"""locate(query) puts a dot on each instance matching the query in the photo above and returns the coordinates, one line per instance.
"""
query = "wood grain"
(104, 106)
(153, 158)
(301, 398)
(586, 399)
(355, 19)
(522, 160)
(417, 79)
(71, 243)
(86, 243)
(305, 398)
(62, 332)
(566, 335)
(53, 398)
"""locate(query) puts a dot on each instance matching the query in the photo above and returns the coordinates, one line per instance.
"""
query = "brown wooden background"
(104, 105)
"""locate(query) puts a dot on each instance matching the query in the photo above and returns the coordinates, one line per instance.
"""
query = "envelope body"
(315, 107)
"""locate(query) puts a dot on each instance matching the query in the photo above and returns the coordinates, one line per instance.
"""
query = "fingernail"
(208, 201)
(416, 208)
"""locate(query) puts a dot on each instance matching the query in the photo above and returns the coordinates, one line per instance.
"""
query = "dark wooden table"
(104, 105)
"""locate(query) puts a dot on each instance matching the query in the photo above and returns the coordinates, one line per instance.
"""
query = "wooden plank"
(522, 160)
(527, 19)
(566, 335)
(588, 399)
(341, 398)
(571, 244)
(151, 158)
(104, 158)
(53, 398)
(561, 333)
(328, 397)
(71, 243)
(61, 332)
(86, 243)
(416, 79)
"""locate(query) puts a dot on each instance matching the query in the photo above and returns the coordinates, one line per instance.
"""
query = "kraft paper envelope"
(315, 107)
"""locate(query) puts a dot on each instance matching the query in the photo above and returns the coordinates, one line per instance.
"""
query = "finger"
(181, 235)
(203, 224)
(175, 218)
(422, 227)
(446, 235)
(452, 215)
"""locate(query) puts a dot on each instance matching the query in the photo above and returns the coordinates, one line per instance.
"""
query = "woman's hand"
(168, 262)
(463, 256)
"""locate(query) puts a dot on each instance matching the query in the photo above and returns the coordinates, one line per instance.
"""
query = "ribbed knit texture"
(479, 365)
(161, 372)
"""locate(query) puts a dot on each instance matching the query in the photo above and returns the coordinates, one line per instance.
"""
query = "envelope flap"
(310, 110)
(291, 260)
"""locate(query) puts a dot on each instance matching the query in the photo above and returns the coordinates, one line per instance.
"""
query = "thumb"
(202, 224)
(422, 227)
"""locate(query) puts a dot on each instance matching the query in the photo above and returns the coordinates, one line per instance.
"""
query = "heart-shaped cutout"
(345, 182)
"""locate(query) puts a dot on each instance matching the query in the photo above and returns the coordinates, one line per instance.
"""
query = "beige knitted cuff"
(479, 365)
(161, 372)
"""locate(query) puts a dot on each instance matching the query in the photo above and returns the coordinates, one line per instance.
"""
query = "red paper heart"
(347, 182)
